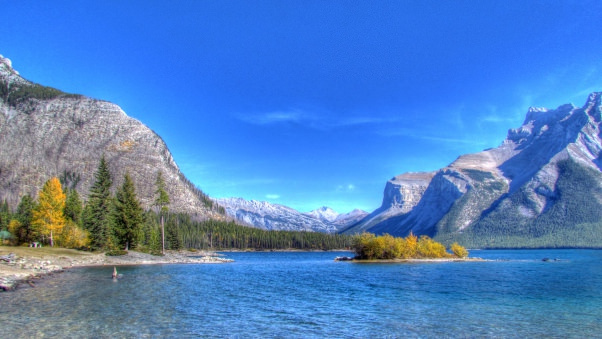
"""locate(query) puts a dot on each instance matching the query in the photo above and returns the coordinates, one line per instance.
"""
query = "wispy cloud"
(277, 117)
(272, 196)
(315, 119)
(428, 136)
(346, 188)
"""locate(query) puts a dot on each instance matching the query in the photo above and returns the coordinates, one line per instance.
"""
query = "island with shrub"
(370, 247)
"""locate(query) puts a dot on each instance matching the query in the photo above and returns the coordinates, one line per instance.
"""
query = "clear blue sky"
(311, 103)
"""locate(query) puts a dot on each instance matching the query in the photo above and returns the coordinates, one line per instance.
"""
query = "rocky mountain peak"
(404, 191)
(5, 63)
(513, 184)
(324, 213)
(8, 75)
(593, 106)
(45, 132)
(265, 215)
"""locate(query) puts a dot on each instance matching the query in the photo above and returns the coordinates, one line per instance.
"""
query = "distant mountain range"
(45, 132)
(270, 216)
(540, 188)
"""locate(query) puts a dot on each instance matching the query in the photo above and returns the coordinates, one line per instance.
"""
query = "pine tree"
(127, 215)
(161, 202)
(97, 213)
(73, 207)
(48, 214)
(172, 235)
(4, 215)
(25, 231)
(154, 241)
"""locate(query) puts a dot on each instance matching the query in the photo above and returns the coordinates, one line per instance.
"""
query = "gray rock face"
(66, 135)
(476, 184)
(268, 216)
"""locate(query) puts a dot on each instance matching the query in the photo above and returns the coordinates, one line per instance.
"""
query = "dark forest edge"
(116, 222)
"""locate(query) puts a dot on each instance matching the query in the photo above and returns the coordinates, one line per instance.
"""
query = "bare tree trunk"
(51, 241)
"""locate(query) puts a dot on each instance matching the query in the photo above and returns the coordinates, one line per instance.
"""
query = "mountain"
(265, 215)
(325, 214)
(540, 188)
(344, 220)
(45, 132)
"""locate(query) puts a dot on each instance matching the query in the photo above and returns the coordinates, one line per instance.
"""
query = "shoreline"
(291, 250)
(21, 265)
(417, 260)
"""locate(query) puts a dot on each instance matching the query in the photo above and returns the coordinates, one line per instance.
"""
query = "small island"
(386, 248)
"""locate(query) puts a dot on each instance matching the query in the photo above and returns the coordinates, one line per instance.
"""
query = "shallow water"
(301, 295)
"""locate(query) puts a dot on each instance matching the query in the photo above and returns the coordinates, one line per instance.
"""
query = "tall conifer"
(128, 216)
(161, 202)
(27, 232)
(73, 207)
(97, 213)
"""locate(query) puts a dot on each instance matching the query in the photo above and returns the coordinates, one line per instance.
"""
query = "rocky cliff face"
(509, 191)
(264, 215)
(45, 133)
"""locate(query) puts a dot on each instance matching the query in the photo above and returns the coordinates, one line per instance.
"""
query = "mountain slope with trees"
(541, 188)
(46, 133)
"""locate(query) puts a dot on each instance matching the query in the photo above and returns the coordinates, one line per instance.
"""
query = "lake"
(308, 295)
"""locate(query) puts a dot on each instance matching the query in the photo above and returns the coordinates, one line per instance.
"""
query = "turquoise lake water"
(308, 295)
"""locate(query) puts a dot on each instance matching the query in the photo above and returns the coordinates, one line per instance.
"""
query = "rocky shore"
(25, 265)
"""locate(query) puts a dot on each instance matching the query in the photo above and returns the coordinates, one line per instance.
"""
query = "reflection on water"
(309, 295)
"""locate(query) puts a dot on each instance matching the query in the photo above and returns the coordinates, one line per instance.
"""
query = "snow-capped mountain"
(265, 215)
(323, 213)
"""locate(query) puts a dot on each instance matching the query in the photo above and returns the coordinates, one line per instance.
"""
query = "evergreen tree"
(172, 236)
(73, 207)
(48, 214)
(161, 202)
(25, 232)
(97, 213)
(155, 241)
(128, 217)
(4, 215)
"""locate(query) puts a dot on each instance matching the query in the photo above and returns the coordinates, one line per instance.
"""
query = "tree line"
(60, 217)
(215, 235)
(117, 222)
(17, 93)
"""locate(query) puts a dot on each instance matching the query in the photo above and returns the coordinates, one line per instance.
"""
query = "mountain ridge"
(45, 132)
(519, 177)
(269, 216)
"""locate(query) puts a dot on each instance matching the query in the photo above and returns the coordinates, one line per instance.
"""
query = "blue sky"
(312, 103)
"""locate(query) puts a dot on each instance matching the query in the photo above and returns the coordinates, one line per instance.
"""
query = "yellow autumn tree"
(13, 227)
(411, 245)
(48, 214)
(74, 237)
(429, 248)
(459, 250)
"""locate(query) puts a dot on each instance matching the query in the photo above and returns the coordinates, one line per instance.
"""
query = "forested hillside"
(542, 187)
(46, 133)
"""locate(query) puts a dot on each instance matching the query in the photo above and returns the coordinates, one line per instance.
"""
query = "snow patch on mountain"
(268, 216)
